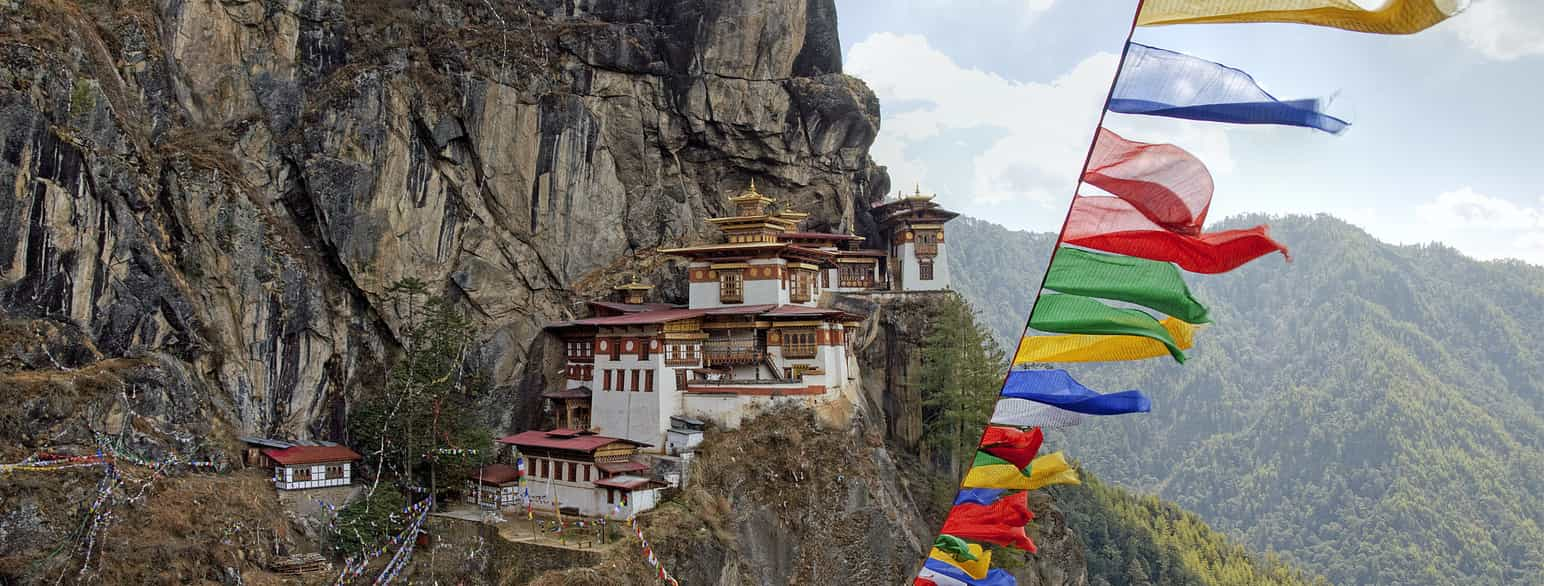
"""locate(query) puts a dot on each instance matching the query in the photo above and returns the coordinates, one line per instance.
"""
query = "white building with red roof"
(592, 474)
(301, 467)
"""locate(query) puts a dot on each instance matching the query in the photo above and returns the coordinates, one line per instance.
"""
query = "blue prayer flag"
(1159, 82)
(1057, 388)
(944, 574)
(980, 496)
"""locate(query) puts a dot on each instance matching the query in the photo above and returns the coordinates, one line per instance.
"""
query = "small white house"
(582, 471)
(496, 485)
(301, 467)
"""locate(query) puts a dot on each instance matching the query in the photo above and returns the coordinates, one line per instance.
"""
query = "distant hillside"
(1369, 411)
(1132, 540)
(997, 270)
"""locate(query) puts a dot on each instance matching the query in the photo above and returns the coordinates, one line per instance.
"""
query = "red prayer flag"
(1113, 225)
(1001, 522)
(1166, 183)
(1018, 447)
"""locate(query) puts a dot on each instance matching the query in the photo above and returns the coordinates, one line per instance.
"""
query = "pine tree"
(962, 372)
(422, 425)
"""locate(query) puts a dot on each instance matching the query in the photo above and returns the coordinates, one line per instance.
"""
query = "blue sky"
(992, 103)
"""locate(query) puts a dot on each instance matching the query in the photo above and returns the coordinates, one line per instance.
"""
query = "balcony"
(856, 283)
(714, 355)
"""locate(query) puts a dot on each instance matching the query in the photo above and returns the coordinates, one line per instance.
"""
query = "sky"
(991, 104)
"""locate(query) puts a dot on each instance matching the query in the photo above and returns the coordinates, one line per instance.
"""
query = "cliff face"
(223, 189)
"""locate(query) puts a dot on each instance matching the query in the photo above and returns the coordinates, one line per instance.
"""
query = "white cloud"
(1043, 128)
(1502, 29)
(1485, 226)
(1464, 208)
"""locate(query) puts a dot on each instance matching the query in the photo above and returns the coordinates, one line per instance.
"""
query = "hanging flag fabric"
(1166, 183)
(980, 496)
(1151, 284)
(1051, 469)
(1110, 224)
(988, 471)
(1057, 387)
(938, 573)
(1160, 82)
(1395, 17)
(1073, 314)
(1022, 413)
(1086, 348)
(975, 563)
(1001, 522)
(957, 548)
(1017, 447)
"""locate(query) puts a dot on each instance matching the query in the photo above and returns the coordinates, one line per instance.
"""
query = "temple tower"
(915, 226)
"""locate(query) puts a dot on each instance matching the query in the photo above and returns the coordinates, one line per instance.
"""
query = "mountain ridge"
(1335, 401)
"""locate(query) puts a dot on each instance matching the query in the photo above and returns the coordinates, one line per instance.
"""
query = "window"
(802, 285)
(643, 348)
(635, 380)
(680, 378)
(545, 472)
(616, 348)
(573, 472)
(648, 382)
(302, 473)
(607, 385)
(335, 471)
(586, 472)
(925, 270)
(799, 344)
(731, 287)
(611, 497)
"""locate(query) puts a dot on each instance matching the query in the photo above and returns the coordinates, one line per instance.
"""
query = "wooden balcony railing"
(727, 355)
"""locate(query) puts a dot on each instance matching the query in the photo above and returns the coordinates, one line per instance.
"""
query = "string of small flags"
(648, 554)
(356, 564)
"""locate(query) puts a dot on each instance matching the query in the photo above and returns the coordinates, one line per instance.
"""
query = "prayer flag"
(1159, 82)
(1167, 184)
(957, 548)
(988, 471)
(1395, 17)
(939, 573)
(1086, 348)
(1152, 284)
(980, 496)
(1057, 387)
(976, 567)
(1022, 413)
(1017, 447)
(1001, 522)
(1073, 314)
(1111, 224)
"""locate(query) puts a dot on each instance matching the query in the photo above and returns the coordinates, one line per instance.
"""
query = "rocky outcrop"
(231, 185)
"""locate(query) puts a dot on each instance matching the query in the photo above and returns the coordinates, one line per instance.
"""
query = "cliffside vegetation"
(1370, 412)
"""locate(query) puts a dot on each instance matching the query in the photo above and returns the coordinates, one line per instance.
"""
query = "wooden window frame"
(800, 343)
(607, 375)
(635, 379)
(731, 286)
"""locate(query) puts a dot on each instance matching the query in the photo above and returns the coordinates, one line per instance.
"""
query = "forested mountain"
(1141, 540)
(1368, 411)
(997, 270)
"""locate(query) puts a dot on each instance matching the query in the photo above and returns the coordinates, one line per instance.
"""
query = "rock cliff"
(223, 189)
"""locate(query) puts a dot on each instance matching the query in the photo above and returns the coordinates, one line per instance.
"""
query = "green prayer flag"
(1152, 284)
(1073, 314)
(954, 546)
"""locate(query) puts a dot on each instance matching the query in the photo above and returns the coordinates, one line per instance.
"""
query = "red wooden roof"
(564, 439)
(574, 393)
(819, 236)
(640, 318)
(616, 467)
(624, 482)
(312, 455)
(497, 474)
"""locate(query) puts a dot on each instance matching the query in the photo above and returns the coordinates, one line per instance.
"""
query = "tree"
(962, 373)
(423, 423)
(367, 522)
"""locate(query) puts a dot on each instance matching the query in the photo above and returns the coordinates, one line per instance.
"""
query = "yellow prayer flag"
(1002, 476)
(977, 569)
(1099, 348)
(1396, 17)
(1051, 469)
